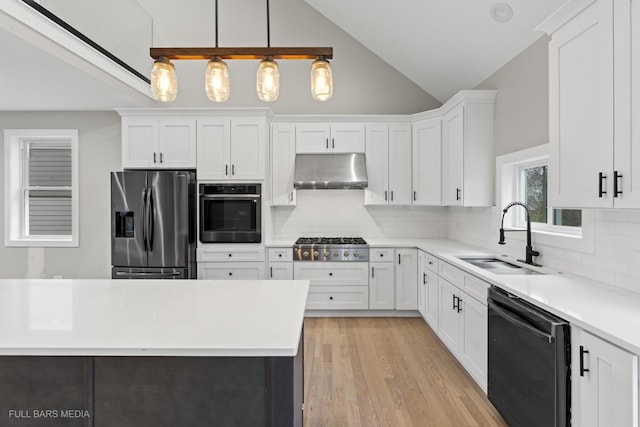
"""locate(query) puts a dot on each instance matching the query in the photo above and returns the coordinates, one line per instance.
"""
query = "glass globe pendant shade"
(268, 80)
(164, 81)
(321, 80)
(217, 80)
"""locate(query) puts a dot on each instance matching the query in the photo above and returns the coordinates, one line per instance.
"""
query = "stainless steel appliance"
(335, 170)
(529, 358)
(331, 249)
(153, 234)
(230, 213)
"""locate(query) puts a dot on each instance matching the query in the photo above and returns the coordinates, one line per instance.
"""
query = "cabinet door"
(473, 343)
(606, 394)
(627, 155)
(177, 144)
(422, 284)
(581, 133)
(283, 157)
(231, 270)
(377, 154)
(427, 162)
(313, 138)
(381, 286)
(214, 144)
(406, 279)
(432, 297)
(400, 165)
(453, 156)
(248, 147)
(449, 319)
(347, 138)
(280, 271)
(139, 144)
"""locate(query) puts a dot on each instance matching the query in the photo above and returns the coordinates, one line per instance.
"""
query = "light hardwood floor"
(388, 372)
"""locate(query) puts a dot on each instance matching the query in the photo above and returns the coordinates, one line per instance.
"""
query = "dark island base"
(151, 391)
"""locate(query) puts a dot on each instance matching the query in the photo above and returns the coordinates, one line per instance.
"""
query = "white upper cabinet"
(427, 161)
(593, 48)
(283, 157)
(231, 148)
(388, 154)
(330, 138)
(468, 159)
(158, 143)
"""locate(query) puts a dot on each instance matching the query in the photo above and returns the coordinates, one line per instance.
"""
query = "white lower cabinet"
(231, 270)
(235, 262)
(335, 285)
(432, 297)
(280, 264)
(382, 285)
(604, 382)
(406, 273)
(462, 321)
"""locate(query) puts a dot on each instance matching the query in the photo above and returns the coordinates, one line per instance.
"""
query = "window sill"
(42, 243)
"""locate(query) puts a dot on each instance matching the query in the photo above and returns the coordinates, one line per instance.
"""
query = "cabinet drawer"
(230, 254)
(381, 254)
(338, 298)
(279, 254)
(452, 274)
(332, 274)
(231, 270)
(432, 263)
(476, 288)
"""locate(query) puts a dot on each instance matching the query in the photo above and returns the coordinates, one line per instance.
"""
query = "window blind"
(49, 209)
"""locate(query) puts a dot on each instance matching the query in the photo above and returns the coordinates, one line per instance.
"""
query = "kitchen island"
(151, 352)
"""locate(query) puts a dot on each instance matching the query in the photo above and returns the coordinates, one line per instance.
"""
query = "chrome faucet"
(530, 252)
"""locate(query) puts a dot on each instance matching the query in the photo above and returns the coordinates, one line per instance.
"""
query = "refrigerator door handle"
(151, 222)
(144, 218)
(147, 274)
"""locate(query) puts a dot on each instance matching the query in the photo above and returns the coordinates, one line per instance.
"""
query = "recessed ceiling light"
(501, 12)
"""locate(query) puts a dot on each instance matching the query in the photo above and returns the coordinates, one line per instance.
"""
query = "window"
(532, 190)
(41, 181)
(522, 176)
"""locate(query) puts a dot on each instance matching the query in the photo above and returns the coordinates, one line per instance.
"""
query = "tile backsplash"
(614, 257)
(342, 213)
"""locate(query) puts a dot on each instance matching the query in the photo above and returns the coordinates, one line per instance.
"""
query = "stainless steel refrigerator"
(153, 225)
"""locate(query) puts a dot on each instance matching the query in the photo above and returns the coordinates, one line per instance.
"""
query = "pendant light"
(164, 81)
(321, 80)
(216, 78)
(268, 77)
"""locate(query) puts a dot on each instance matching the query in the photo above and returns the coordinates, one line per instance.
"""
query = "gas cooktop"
(331, 249)
(331, 241)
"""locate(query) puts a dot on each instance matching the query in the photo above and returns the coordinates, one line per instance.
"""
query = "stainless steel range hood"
(346, 170)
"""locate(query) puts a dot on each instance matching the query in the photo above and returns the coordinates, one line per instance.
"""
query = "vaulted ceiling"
(440, 45)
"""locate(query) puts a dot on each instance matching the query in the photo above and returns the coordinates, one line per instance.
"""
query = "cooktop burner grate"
(331, 241)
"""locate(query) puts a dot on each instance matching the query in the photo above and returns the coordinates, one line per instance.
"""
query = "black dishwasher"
(528, 368)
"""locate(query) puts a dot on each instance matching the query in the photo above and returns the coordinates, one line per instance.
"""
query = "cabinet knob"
(330, 297)
(279, 255)
(330, 274)
(381, 255)
(230, 274)
(230, 255)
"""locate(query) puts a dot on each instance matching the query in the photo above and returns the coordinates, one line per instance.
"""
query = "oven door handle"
(516, 321)
(230, 196)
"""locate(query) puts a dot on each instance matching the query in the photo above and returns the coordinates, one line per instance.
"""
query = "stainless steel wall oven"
(230, 213)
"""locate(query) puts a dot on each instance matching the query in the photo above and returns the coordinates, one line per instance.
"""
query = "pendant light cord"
(216, 23)
(268, 27)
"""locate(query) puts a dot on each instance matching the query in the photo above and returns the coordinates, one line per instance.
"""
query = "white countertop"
(607, 311)
(151, 317)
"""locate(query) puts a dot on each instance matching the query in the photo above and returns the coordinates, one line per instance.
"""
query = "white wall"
(521, 121)
(99, 153)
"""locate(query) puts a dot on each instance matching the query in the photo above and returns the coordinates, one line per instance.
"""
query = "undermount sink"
(498, 266)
